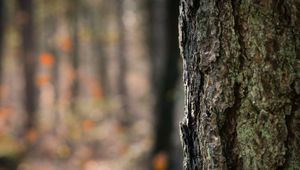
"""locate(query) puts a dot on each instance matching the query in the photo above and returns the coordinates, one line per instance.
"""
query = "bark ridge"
(241, 78)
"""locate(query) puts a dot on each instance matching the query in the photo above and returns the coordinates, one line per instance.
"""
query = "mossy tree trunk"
(242, 84)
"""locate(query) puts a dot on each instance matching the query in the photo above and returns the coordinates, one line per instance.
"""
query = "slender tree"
(157, 39)
(99, 44)
(73, 15)
(242, 84)
(122, 61)
(1, 37)
(165, 76)
(28, 57)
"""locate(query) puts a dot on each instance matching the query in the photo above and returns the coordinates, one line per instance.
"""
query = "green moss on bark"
(246, 57)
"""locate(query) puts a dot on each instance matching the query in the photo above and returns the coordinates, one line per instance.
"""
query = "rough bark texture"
(242, 84)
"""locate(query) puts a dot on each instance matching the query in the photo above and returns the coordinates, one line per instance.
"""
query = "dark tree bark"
(29, 60)
(242, 84)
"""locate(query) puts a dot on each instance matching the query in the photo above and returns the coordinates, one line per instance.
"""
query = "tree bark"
(242, 84)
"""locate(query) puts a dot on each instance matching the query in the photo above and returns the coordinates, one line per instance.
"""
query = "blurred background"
(89, 85)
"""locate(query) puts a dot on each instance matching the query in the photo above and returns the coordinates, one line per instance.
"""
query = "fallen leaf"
(42, 80)
(32, 135)
(96, 90)
(47, 59)
(160, 161)
(66, 44)
(88, 125)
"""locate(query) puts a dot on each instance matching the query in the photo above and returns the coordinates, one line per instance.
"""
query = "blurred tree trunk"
(74, 6)
(1, 38)
(29, 60)
(165, 57)
(48, 25)
(99, 44)
(157, 40)
(242, 84)
(122, 62)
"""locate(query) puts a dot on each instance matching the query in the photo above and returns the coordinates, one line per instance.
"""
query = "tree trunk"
(99, 46)
(242, 84)
(122, 63)
(165, 57)
(29, 60)
(1, 39)
(73, 17)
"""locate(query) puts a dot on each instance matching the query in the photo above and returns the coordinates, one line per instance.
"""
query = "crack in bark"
(193, 156)
(238, 31)
(295, 97)
(194, 8)
(228, 131)
(289, 124)
(228, 128)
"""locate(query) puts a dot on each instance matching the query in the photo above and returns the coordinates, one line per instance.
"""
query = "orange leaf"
(124, 149)
(120, 129)
(42, 80)
(47, 59)
(88, 125)
(5, 112)
(66, 44)
(96, 89)
(31, 135)
(160, 161)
